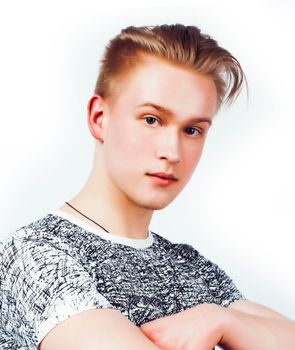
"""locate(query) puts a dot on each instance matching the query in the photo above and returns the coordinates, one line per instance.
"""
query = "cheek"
(192, 157)
(129, 143)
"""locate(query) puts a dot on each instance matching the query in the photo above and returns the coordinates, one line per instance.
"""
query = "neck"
(105, 204)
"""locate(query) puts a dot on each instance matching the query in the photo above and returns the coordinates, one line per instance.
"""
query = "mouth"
(161, 180)
(163, 176)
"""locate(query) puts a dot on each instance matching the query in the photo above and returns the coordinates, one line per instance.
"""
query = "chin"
(155, 207)
(154, 204)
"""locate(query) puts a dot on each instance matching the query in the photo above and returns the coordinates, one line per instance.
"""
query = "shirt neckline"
(131, 242)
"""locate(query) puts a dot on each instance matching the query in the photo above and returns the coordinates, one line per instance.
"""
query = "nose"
(168, 146)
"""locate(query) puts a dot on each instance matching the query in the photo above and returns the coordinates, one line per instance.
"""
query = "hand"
(197, 328)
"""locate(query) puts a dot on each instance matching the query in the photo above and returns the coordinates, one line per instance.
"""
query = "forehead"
(157, 81)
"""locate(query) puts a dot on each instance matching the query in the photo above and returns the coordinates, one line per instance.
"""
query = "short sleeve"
(41, 286)
(221, 286)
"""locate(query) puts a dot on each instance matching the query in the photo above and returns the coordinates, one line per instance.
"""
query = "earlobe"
(96, 116)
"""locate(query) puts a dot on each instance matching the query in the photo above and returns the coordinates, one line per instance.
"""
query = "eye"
(191, 131)
(150, 119)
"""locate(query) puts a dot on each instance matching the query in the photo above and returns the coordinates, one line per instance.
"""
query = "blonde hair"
(177, 43)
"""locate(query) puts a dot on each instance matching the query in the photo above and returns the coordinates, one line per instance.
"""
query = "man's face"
(141, 137)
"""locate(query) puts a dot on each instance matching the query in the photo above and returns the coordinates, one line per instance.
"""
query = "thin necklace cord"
(87, 217)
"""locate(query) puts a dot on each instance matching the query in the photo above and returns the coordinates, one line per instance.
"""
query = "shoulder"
(38, 257)
(35, 240)
(187, 255)
(177, 249)
(42, 282)
(50, 235)
(204, 270)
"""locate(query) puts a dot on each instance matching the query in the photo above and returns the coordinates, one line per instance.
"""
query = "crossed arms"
(242, 326)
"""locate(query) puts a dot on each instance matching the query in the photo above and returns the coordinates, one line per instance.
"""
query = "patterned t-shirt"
(58, 266)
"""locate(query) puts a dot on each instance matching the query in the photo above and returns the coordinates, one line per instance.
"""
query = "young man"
(90, 274)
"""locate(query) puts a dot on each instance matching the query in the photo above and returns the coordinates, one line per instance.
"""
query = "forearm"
(248, 332)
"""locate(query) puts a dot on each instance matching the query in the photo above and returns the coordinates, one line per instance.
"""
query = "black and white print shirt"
(58, 266)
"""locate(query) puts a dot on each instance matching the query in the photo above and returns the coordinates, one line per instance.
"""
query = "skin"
(131, 141)
(206, 325)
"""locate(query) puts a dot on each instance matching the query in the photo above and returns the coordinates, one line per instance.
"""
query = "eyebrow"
(168, 112)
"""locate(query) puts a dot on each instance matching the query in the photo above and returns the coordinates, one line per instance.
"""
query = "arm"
(253, 326)
(56, 306)
(94, 330)
(255, 309)
(242, 326)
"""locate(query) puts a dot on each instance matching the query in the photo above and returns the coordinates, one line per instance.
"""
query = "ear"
(97, 117)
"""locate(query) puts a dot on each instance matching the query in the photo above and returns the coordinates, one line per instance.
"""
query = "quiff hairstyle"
(179, 44)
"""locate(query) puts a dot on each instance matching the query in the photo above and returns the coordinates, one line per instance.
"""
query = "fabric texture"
(54, 268)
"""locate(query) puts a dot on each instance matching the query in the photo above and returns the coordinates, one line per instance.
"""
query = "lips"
(163, 175)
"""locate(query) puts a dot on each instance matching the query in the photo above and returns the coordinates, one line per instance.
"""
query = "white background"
(238, 209)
